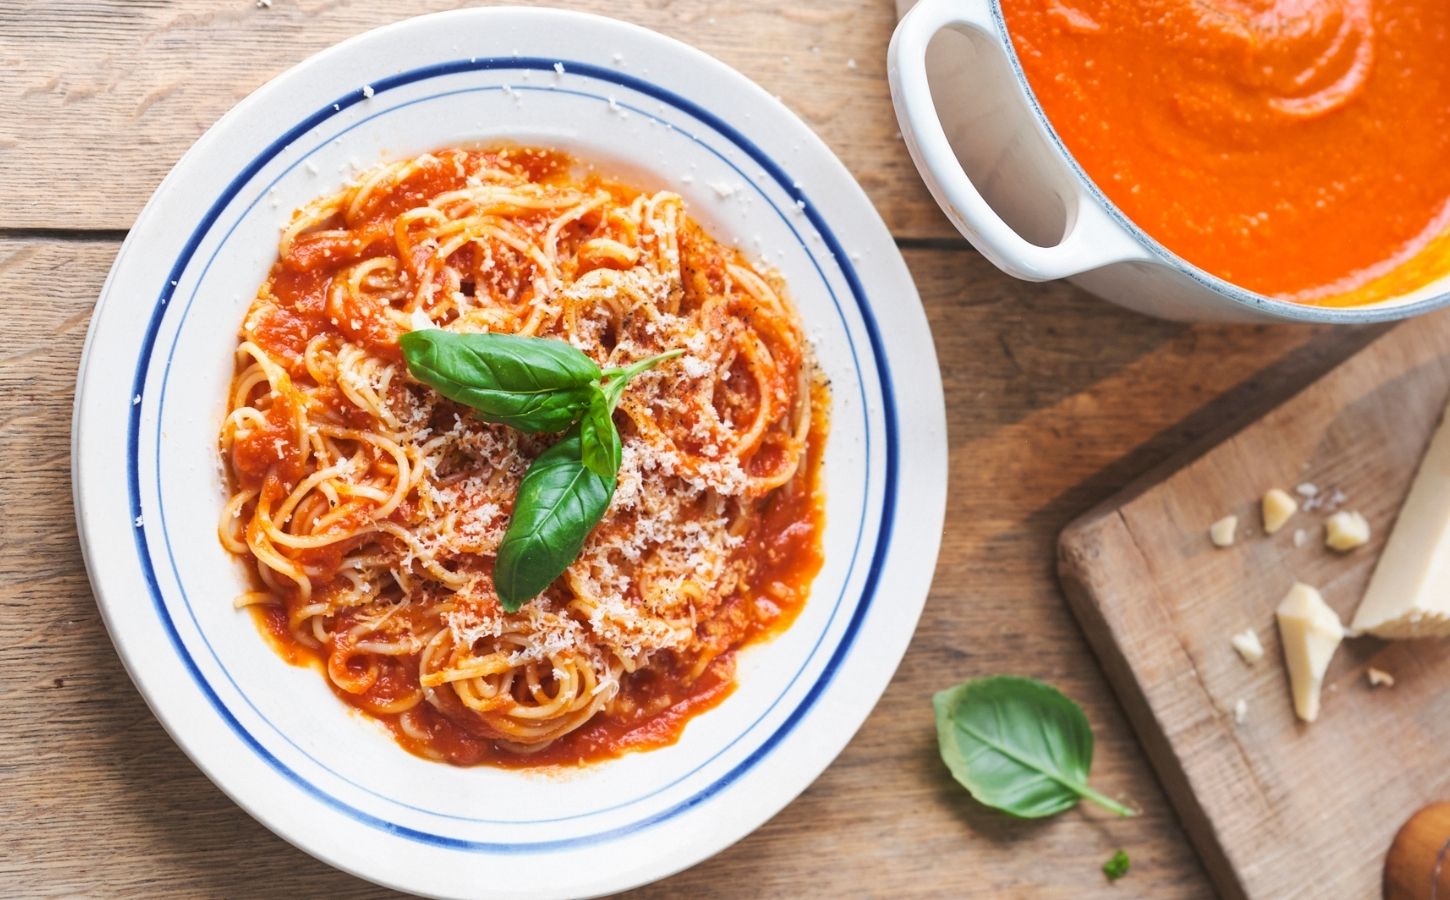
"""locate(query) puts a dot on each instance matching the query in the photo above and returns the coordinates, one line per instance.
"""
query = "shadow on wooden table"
(985, 823)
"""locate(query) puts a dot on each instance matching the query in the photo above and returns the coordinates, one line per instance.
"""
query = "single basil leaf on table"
(559, 502)
(599, 445)
(532, 384)
(1018, 745)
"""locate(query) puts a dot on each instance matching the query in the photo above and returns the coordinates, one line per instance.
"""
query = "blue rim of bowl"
(839, 256)
(1284, 309)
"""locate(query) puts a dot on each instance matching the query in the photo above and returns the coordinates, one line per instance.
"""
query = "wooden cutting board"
(1275, 807)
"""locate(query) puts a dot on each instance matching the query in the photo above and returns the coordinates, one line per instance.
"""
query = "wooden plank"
(1276, 808)
(1048, 392)
(108, 94)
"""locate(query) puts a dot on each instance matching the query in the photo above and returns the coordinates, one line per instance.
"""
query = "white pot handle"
(1093, 238)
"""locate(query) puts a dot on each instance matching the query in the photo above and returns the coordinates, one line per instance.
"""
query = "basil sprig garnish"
(559, 502)
(532, 384)
(537, 385)
(599, 446)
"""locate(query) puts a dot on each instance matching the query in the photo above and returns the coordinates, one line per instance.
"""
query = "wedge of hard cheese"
(1409, 592)
(1310, 633)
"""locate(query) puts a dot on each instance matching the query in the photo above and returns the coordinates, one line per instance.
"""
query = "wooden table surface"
(1055, 401)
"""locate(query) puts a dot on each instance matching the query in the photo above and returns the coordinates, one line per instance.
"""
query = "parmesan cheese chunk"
(1222, 532)
(1379, 677)
(1241, 711)
(1278, 508)
(1409, 592)
(1311, 633)
(1247, 643)
(1344, 531)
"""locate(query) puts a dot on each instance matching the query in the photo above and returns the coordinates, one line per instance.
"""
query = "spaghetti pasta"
(369, 507)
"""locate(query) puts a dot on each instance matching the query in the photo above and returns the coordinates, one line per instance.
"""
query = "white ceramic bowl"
(1029, 207)
(151, 396)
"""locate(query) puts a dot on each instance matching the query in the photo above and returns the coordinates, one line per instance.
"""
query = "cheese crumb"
(1241, 711)
(368, 90)
(1344, 531)
(1278, 507)
(1301, 537)
(851, 64)
(1379, 677)
(559, 69)
(1321, 498)
(1247, 643)
(695, 367)
(1307, 489)
(1222, 532)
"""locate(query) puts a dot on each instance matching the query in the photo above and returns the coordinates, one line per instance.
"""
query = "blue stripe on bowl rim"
(777, 174)
(165, 381)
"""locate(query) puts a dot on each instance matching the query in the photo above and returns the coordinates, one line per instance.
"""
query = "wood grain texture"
(109, 93)
(1055, 401)
(1278, 808)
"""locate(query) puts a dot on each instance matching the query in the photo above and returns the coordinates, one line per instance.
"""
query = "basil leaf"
(532, 384)
(1018, 745)
(1117, 865)
(536, 384)
(559, 502)
(599, 445)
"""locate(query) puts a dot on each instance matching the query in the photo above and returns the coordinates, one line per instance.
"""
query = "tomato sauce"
(1293, 147)
(660, 700)
(654, 703)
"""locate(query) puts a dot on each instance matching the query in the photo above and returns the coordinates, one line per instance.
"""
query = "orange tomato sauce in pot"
(1297, 148)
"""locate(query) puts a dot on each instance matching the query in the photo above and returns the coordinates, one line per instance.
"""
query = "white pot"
(1028, 206)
